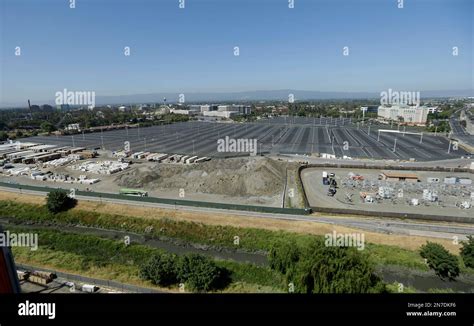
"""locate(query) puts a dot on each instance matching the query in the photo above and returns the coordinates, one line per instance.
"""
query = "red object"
(8, 276)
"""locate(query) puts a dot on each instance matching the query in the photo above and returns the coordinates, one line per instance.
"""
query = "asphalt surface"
(379, 225)
(58, 284)
(302, 136)
(460, 133)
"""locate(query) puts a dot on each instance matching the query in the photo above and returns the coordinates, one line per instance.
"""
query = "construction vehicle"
(331, 192)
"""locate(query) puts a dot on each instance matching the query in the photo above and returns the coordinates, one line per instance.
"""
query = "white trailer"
(191, 159)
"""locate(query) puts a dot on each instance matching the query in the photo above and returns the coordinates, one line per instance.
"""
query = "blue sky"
(191, 49)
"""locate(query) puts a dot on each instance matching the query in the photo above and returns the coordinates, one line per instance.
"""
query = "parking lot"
(302, 136)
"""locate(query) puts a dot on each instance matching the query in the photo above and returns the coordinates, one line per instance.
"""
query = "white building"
(241, 109)
(416, 115)
(185, 112)
(73, 127)
(221, 114)
(205, 108)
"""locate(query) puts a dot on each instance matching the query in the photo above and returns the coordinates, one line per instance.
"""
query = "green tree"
(467, 251)
(445, 264)
(199, 272)
(161, 270)
(283, 256)
(47, 127)
(3, 136)
(321, 269)
(58, 200)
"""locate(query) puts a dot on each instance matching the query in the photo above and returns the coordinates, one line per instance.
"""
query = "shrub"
(467, 251)
(58, 201)
(160, 270)
(445, 264)
(199, 272)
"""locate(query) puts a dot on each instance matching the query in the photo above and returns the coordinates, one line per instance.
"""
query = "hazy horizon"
(192, 50)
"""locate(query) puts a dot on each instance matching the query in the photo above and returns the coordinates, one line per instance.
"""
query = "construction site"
(239, 180)
(390, 191)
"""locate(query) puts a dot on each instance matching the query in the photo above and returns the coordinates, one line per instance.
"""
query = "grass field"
(251, 239)
(241, 222)
(113, 260)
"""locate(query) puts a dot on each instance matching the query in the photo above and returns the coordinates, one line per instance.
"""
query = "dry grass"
(302, 227)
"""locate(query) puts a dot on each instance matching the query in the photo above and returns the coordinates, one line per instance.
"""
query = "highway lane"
(379, 225)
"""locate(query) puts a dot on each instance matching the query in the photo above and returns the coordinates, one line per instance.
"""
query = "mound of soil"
(256, 176)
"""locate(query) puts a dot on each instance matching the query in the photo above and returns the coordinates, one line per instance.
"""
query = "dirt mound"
(233, 177)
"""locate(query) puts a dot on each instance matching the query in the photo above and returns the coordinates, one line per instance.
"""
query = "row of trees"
(321, 269)
(199, 273)
(444, 263)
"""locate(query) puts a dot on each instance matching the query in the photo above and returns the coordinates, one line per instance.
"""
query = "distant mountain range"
(270, 95)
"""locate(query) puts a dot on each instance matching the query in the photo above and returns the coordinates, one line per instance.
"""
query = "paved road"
(380, 225)
(64, 277)
(460, 133)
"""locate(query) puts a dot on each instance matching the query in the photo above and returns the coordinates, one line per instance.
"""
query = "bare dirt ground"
(302, 227)
(252, 180)
(245, 181)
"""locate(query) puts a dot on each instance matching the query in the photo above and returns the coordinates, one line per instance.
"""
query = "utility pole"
(395, 145)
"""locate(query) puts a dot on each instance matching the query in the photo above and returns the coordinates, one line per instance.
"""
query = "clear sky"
(192, 49)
